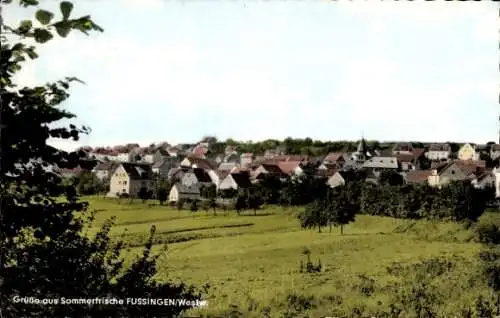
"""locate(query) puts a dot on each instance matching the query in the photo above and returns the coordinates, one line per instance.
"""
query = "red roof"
(417, 152)
(418, 176)
(334, 156)
(200, 150)
(403, 157)
(288, 166)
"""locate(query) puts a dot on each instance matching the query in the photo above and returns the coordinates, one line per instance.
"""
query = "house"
(229, 150)
(379, 164)
(125, 157)
(196, 162)
(174, 151)
(418, 156)
(335, 158)
(219, 158)
(439, 152)
(291, 168)
(200, 150)
(148, 158)
(196, 176)
(411, 160)
(417, 176)
(271, 153)
(161, 155)
(181, 192)
(325, 173)
(235, 181)
(406, 160)
(371, 177)
(484, 180)
(104, 170)
(162, 168)
(468, 152)
(129, 178)
(267, 168)
(228, 166)
(402, 148)
(454, 171)
(246, 159)
(495, 151)
(232, 158)
(336, 180)
(496, 173)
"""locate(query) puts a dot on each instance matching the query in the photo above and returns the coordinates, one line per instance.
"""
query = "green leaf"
(63, 28)
(31, 53)
(66, 8)
(42, 35)
(27, 3)
(26, 25)
(44, 16)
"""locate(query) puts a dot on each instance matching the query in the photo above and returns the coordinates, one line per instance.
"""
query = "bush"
(487, 233)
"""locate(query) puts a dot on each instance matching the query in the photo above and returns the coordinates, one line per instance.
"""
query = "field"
(252, 263)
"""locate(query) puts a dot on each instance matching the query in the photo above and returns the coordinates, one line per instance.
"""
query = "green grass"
(252, 262)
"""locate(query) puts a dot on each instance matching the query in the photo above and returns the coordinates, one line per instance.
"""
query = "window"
(452, 171)
(124, 182)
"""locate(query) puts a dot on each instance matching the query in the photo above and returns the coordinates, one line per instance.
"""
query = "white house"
(438, 152)
(149, 158)
(104, 170)
(485, 180)
(235, 181)
(124, 157)
(496, 173)
(178, 191)
(335, 180)
(196, 176)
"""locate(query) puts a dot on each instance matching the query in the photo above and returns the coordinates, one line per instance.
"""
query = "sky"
(166, 70)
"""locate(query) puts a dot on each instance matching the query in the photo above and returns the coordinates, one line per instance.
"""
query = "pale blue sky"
(251, 70)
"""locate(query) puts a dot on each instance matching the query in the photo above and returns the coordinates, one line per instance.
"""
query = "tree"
(143, 194)
(490, 261)
(87, 183)
(213, 205)
(314, 215)
(240, 204)
(254, 203)
(45, 252)
(389, 177)
(464, 201)
(194, 207)
(342, 208)
(162, 195)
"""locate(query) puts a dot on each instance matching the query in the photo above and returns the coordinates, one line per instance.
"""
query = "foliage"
(87, 184)
(342, 207)
(309, 267)
(144, 194)
(314, 215)
(389, 177)
(162, 195)
(488, 233)
(241, 203)
(45, 253)
(194, 206)
(458, 201)
(179, 204)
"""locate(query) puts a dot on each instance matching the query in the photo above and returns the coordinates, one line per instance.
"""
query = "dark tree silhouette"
(314, 215)
(45, 253)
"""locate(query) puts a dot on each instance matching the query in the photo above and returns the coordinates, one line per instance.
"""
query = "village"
(189, 168)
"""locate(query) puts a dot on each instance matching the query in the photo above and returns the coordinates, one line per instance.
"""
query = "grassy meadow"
(252, 263)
